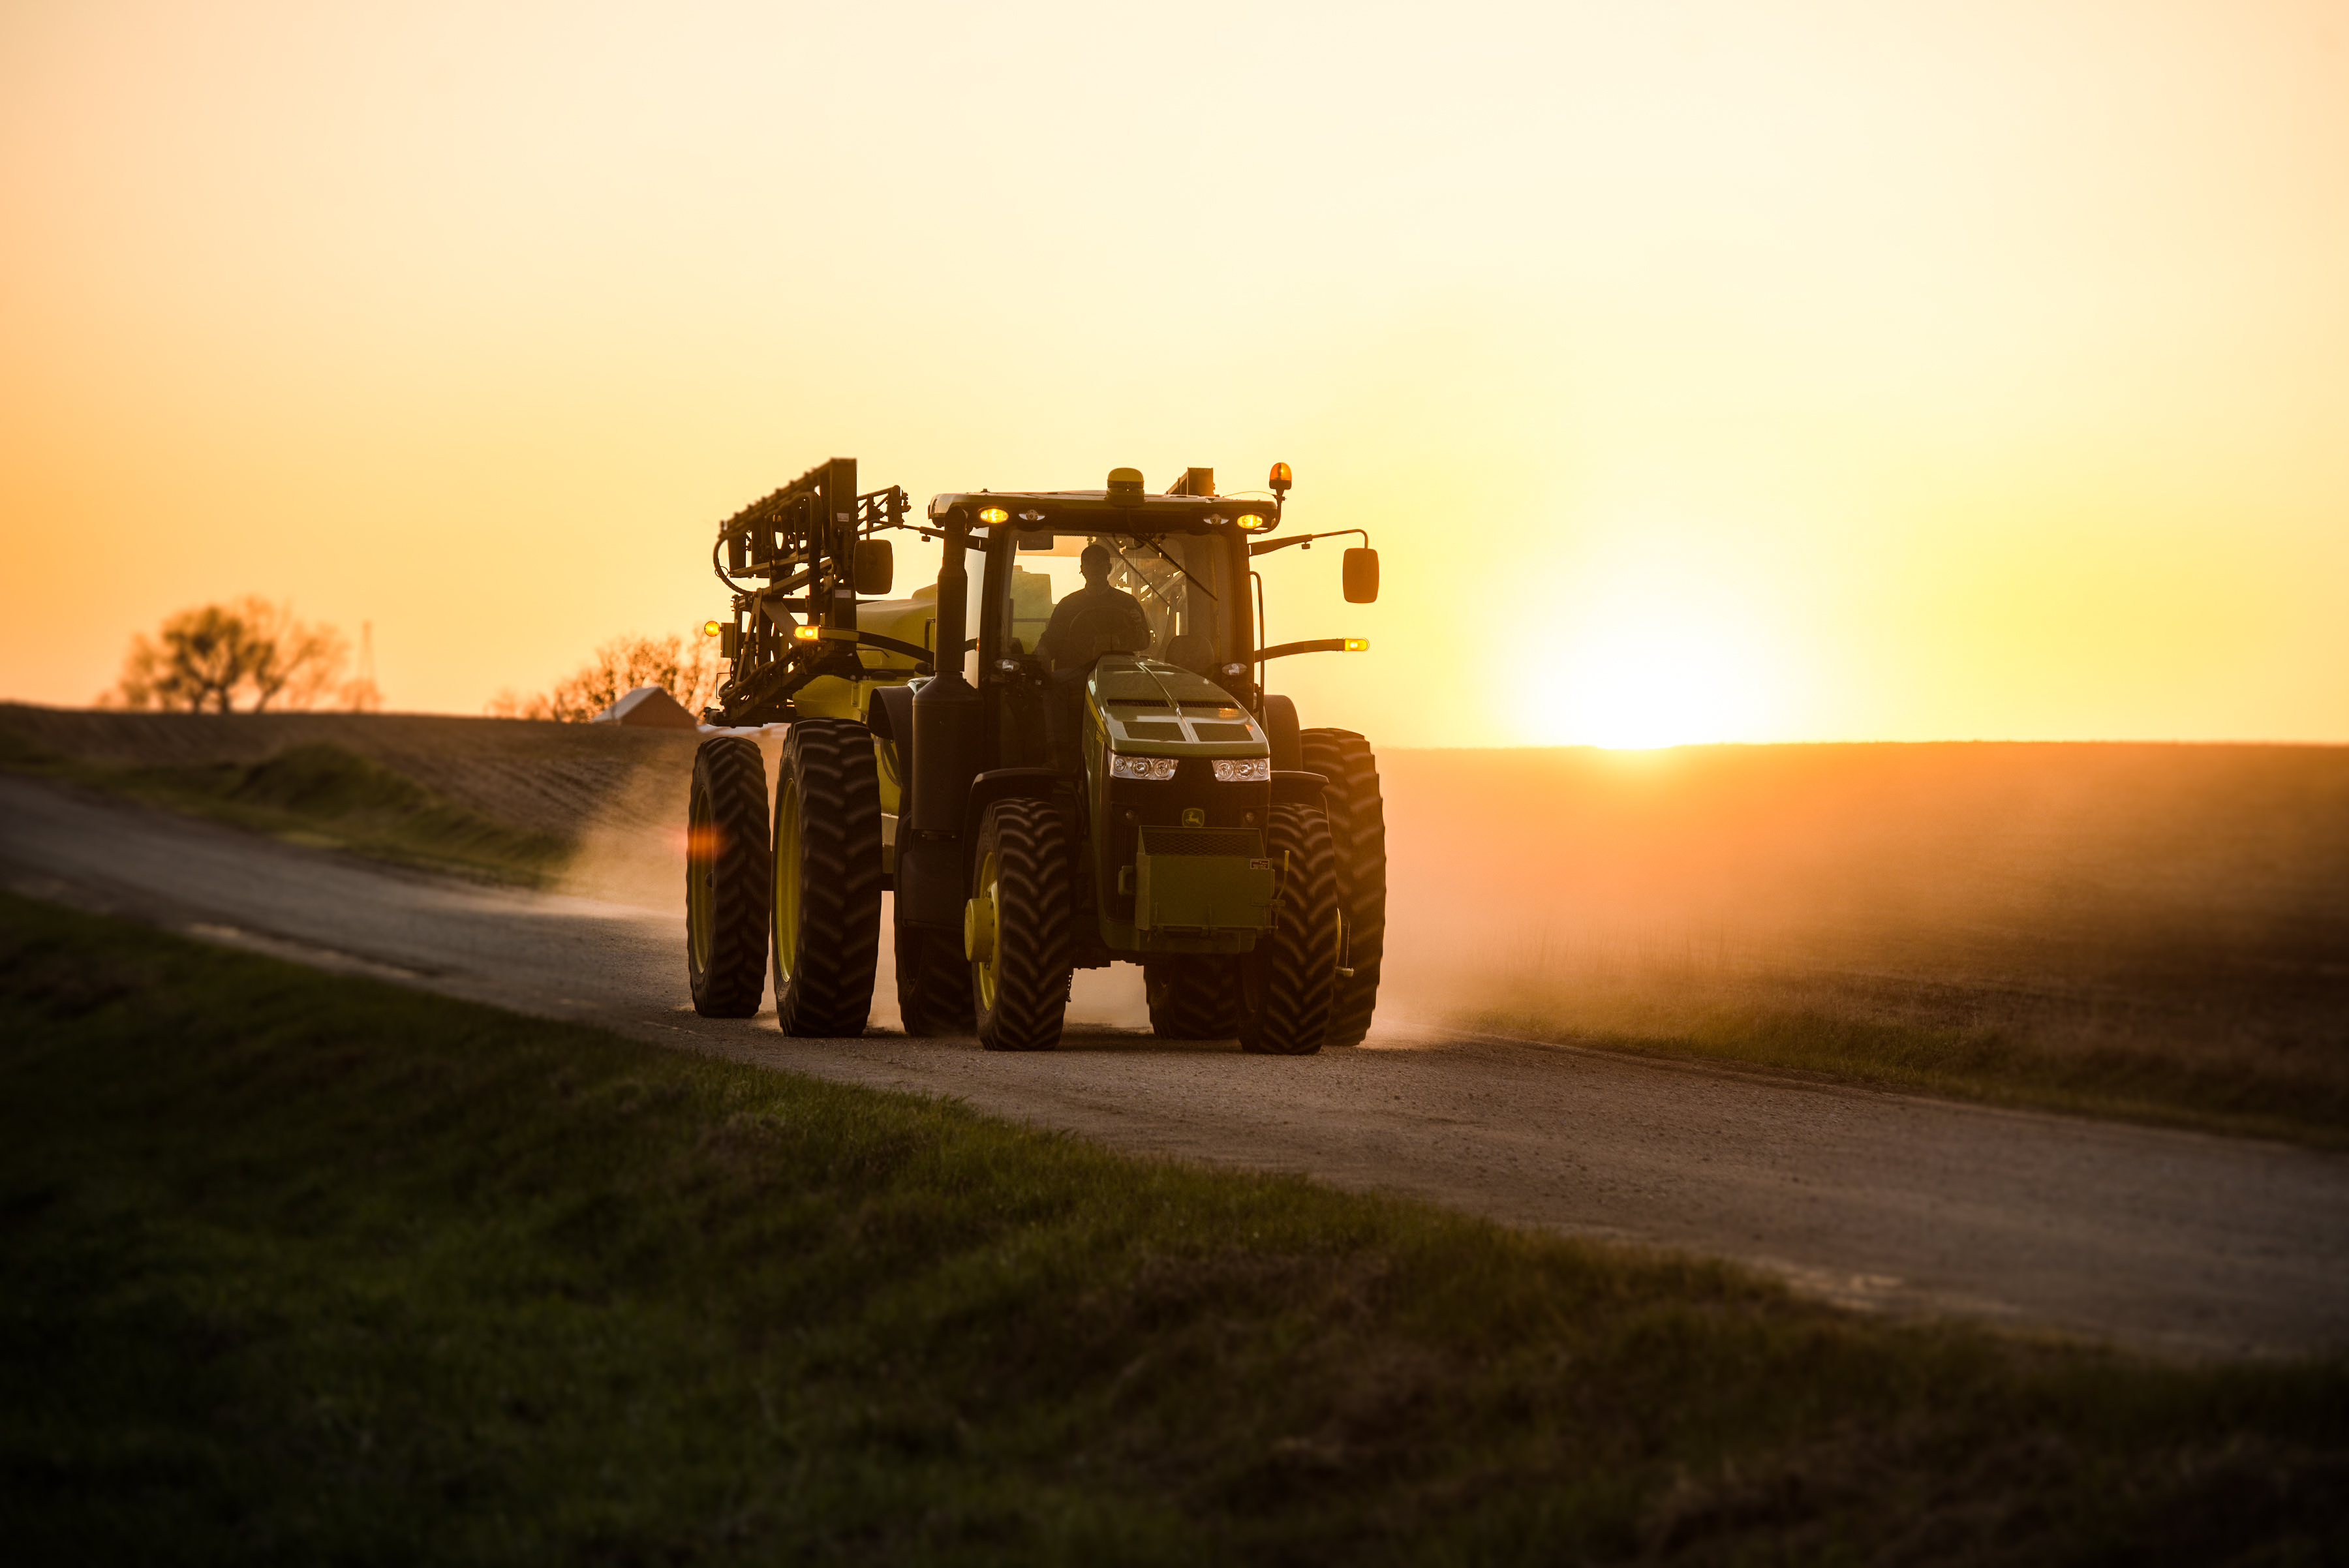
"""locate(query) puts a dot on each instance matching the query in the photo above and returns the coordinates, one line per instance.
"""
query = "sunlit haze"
(1702, 371)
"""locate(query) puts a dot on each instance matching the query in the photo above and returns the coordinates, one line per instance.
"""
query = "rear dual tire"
(1193, 996)
(728, 862)
(1288, 981)
(1358, 832)
(827, 876)
(934, 991)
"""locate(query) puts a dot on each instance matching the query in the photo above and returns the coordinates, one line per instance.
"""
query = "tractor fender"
(1288, 741)
(1008, 783)
(1292, 788)
(933, 873)
(1050, 786)
(890, 715)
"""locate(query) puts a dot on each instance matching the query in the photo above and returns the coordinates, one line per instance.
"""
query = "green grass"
(2263, 1054)
(324, 796)
(307, 1269)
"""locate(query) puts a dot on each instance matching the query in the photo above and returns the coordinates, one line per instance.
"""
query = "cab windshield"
(1182, 581)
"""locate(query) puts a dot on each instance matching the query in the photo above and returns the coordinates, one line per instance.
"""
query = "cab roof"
(1100, 511)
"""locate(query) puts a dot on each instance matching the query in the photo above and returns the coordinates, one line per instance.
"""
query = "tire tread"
(1358, 825)
(829, 994)
(730, 771)
(1032, 917)
(1290, 979)
(1193, 996)
(934, 991)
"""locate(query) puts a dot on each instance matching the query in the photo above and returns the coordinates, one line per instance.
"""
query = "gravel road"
(2164, 1240)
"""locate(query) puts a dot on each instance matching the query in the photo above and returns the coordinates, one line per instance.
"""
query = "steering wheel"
(1094, 630)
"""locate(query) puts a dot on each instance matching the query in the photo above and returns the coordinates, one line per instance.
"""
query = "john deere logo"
(1195, 816)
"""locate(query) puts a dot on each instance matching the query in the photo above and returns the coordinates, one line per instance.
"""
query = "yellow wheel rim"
(700, 921)
(787, 877)
(986, 966)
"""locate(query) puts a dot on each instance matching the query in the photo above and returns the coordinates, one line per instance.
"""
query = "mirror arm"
(1316, 645)
(1266, 547)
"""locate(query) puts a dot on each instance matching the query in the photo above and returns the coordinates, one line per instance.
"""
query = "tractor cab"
(1182, 559)
(1051, 606)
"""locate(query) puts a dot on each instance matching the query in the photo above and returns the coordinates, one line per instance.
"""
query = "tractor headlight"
(1155, 768)
(1244, 770)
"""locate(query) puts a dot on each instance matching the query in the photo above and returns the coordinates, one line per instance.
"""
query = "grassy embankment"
(321, 795)
(302, 1268)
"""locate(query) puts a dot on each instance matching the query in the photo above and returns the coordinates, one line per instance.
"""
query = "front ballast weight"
(1033, 811)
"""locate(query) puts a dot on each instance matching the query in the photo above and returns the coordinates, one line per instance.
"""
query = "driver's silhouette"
(1094, 619)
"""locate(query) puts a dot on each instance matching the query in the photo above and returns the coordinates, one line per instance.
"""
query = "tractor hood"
(1153, 709)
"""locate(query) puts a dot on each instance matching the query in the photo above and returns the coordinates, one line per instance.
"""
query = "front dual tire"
(1017, 927)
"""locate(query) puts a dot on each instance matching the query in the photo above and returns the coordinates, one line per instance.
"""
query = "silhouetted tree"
(686, 668)
(212, 656)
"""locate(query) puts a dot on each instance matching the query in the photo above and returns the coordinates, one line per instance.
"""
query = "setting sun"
(1649, 671)
(1660, 684)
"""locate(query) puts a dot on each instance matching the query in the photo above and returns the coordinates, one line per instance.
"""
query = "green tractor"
(1044, 786)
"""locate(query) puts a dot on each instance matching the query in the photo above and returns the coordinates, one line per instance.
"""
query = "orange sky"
(1704, 371)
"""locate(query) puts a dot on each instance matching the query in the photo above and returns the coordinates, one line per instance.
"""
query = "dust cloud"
(2090, 891)
(631, 840)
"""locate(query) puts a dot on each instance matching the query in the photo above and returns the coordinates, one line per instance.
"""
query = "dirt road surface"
(2165, 1241)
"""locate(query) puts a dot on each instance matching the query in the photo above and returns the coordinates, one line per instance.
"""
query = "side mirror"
(876, 568)
(1361, 577)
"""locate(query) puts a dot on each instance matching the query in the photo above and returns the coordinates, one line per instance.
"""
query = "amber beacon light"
(1281, 479)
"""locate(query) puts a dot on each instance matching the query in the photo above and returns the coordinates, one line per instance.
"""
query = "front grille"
(1219, 731)
(1242, 841)
(1152, 730)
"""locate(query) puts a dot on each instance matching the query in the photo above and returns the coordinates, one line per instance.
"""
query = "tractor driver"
(1094, 619)
(1091, 621)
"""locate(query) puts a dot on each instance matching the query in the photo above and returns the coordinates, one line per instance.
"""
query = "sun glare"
(1656, 667)
(1661, 685)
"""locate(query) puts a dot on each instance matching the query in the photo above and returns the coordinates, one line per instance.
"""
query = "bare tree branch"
(204, 659)
(686, 668)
